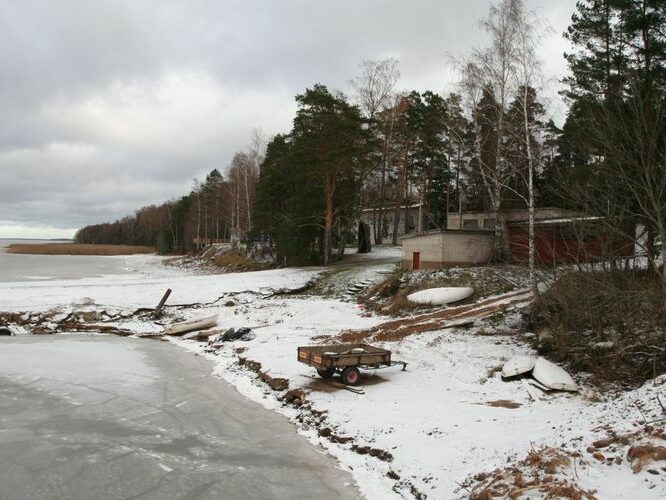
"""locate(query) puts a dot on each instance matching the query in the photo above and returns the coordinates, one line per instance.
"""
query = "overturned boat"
(440, 296)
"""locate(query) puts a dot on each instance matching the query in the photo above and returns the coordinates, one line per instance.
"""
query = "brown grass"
(76, 249)
(235, 262)
(534, 476)
(623, 308)
(503, 403)
(641, 455)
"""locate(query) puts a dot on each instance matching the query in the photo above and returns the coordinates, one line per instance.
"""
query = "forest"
(489, 144)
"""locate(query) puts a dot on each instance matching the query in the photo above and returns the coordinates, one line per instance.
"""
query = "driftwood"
(202, 335)
(158, 309)
(192, 326)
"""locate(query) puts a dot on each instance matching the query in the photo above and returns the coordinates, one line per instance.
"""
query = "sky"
(110, 105)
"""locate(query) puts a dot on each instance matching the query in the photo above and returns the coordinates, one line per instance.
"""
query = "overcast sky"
(111, 105)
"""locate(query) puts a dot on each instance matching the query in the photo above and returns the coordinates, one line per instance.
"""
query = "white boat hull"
(518, 365)
(440, 296)
(552, 376)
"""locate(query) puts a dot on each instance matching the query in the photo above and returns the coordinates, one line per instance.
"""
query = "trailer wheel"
(350, 375)
(327, 373)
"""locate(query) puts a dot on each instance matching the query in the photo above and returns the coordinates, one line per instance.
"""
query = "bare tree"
(497, 66)
(197, 192)
(528, 75)
(251, 172)
(375, 94)
(374, 87)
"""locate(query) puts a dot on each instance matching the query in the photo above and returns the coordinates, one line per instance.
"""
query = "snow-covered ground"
(438, 421)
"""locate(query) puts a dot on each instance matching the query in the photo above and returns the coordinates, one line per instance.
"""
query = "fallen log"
(202, 335)
(191, 326)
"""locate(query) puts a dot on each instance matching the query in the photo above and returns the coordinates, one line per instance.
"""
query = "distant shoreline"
(76, 249)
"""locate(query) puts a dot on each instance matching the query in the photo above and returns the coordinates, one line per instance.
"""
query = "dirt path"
(443, 318)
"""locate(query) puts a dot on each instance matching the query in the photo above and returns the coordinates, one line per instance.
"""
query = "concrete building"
(561, 236)
(486, 220)
(436, 249)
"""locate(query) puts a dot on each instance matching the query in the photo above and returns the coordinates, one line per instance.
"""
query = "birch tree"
(375, 93)
(497, 66)
(527, 75)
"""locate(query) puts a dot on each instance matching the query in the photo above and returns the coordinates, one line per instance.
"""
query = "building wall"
(448, 248)
(486, 220)
(558, 244)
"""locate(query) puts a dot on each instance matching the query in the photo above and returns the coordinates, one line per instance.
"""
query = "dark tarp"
(364, 245)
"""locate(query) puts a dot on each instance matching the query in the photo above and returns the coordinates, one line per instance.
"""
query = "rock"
(393, 475)
(295, 397)
(545, 337)
(383, 455)
(229, 303)
(602, 346)
(544, 342)
(275, 383)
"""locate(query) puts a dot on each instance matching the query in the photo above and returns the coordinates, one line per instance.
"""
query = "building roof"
(390, 207)
(446, 231)
(566, 220)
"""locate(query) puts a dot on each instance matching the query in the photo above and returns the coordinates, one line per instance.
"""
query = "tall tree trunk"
(343, 239)
(402, 188)
(458, 187)
(198, 221)
(328, 221)
(382, 194)
(247, 198)
(530, 190)
(396, 223)
(497, 188)
(374, 224)
(663, 261)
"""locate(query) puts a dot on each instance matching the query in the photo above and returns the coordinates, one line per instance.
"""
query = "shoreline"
(393, 446)
(76, 249)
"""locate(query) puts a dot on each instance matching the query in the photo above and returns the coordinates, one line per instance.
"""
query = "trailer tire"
(350, 375)
(327, 373)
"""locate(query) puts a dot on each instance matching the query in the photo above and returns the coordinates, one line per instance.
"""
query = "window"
(470, 224)
(489, 223)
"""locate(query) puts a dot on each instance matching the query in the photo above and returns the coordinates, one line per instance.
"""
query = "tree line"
(218, 208)
(489, 145)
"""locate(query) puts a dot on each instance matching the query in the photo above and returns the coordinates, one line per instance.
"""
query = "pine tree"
(426, 119)
(598, 62)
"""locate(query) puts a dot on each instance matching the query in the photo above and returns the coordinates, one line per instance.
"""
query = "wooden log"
(158, 309)
(191, 326)
(202, 335)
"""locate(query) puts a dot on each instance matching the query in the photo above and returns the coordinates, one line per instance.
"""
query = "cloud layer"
(111, 105)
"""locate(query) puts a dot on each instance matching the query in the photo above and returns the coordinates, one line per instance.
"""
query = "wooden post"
(158, 309)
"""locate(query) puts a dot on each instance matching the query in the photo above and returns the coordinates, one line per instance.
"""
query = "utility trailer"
(346, 359)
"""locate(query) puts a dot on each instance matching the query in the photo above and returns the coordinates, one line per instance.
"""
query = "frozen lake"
(105, 417)
(17, 267)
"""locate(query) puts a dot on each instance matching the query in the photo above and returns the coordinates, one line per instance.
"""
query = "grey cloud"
(112, 104)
